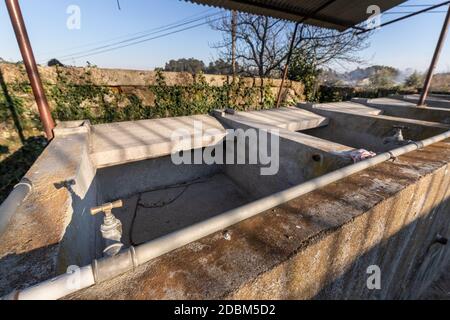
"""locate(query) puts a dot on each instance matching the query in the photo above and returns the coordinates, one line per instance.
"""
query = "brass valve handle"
(106, 207)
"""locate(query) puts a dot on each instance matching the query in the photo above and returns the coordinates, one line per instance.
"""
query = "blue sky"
(407, 44)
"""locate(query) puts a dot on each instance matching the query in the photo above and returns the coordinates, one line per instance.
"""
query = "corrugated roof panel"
(334, 14)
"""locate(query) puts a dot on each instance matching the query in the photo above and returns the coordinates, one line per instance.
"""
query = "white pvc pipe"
(60, 286)
(13, 201)
(174, 240)
(439, 137)
(57, 287)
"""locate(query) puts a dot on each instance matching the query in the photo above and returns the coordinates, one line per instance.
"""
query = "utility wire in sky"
(65, 52)
(136, 42)
(142, 37)
(134, 39)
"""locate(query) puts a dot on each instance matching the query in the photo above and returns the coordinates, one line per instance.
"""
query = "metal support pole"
(286, 67)
(30, 65)
(435, 59)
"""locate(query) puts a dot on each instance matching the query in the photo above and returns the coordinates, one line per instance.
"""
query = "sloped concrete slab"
(404, 109)
(435, 101)
(384, 101)
(290, 118)
(122, 142)
(351, 107)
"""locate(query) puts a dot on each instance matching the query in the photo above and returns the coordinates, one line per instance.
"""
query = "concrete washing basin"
(86, 166)
(357, 126)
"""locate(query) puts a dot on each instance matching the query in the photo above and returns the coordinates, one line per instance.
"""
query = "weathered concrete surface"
(405, 109)
(387, 215)
(289, 118)
(435, 101)
(33, 248)
(285, 130)
(351, 107)
(129, 78)
(157, 212)
(440, 288)
(121, 142)
(370, 131)
(302, 157)
(125, 180)
(318, 245)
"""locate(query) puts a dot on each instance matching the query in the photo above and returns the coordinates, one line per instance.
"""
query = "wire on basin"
(184, 185)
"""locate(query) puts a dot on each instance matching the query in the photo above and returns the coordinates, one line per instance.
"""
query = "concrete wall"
(297, 163)
(82, 241)
(369, 132)
(121, 181)
(53, 228)
(318, 245)
(136, 81)
(440, 115)
(398, 236)
(129, 78)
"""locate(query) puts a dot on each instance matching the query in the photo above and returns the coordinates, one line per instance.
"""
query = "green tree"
(54, 62)
(190, 65)
(221, 66)
(383, 77)
(415, 80)
(302, 68)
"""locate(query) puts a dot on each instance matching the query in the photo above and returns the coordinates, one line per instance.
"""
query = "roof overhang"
(333, 14)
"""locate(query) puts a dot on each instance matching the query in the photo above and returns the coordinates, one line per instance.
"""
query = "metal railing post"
(434, 61)
(30, 65)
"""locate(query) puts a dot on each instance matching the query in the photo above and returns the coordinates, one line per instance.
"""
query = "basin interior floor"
(155, 213)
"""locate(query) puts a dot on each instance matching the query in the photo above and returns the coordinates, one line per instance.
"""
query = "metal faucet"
(397, 137)
(111, 228)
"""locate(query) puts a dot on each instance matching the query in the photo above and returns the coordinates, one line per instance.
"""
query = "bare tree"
(233, 43)
(262, 43)
(324, 46)
(259, 43)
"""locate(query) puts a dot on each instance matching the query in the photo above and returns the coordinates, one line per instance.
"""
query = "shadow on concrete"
(35, 266)
(407, 269)
(14, 167)
(328, 259)
(82, 242)
(4, 149)
(409, 260)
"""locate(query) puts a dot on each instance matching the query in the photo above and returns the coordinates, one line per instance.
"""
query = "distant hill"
(363, 77)
(441, 82)
(374, 75)
(360, 76)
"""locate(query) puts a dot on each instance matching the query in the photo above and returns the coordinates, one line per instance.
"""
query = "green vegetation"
(101, 104)
(415, 80)
(383, 77)
(342, 93)
(190, 65)
(303, 69)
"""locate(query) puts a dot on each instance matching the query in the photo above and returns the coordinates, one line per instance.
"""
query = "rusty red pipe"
(30, 65)
(434, 61)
